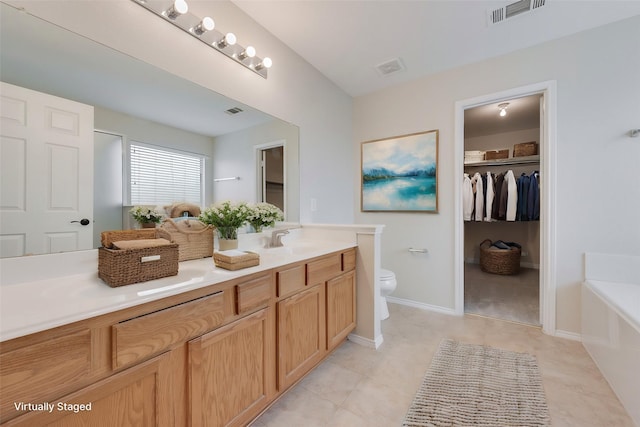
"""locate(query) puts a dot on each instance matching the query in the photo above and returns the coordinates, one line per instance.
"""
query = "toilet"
(387, 286)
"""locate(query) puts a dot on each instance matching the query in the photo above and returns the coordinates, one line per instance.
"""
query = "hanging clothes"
(523, 198)
(479, 202)
(512, 196)
(490, 190)
(495, 210)
(467, 198)
(502, 197)
(533, 197)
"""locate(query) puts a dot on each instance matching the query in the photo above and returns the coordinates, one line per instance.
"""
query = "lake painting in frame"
(401, 173)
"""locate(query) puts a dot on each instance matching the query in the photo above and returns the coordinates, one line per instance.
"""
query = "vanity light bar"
(176, 12)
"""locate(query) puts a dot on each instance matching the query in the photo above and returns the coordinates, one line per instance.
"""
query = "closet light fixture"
(503, 108)
(204, 29)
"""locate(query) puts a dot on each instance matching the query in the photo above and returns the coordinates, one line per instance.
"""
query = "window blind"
(162, 176)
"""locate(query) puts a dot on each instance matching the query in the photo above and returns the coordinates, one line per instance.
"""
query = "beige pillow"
(140, 244)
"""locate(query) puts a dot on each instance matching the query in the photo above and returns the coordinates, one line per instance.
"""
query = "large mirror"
(133, 102)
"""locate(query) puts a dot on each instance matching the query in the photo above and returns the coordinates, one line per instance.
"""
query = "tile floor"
(507, 297)
(358, 386)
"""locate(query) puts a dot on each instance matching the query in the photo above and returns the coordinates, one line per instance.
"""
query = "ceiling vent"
(504, 13)
(234, 110)
(392, 66)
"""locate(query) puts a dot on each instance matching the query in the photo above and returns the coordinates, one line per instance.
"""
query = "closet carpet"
(514, 298)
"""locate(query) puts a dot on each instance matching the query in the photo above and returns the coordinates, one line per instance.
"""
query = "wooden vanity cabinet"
(231, 372)
(316, 319)
(214, 356)
(341, 308)
(301, 334)
(138, 396)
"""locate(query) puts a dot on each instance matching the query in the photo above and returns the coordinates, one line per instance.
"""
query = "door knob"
(83, 221)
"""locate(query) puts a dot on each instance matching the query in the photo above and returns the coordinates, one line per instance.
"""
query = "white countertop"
(42, 304)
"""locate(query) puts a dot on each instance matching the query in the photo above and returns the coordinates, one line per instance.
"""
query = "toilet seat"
(386, 274)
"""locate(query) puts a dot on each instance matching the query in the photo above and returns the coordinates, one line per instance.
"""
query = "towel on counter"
(140, 243)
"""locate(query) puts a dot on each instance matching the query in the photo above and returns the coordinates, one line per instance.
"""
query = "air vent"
(234, 110)
(511, 10)
(390, 67)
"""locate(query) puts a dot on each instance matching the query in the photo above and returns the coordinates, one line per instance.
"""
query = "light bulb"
(266, 63)
(205, 25)
(228, 40)
(249, 52)
(503, 108)
(179, 7)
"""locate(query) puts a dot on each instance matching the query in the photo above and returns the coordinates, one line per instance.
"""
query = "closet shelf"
(510, 161)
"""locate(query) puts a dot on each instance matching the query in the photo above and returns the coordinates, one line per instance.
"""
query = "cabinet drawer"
(253, 294)
(42, 372)
(349, 260)
(137, 339)
(290, 280)
(323, 269)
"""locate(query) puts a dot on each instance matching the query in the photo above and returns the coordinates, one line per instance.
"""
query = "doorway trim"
(548, 146)
(258, 162)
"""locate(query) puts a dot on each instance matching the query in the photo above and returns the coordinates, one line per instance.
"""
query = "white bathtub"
(611, 331)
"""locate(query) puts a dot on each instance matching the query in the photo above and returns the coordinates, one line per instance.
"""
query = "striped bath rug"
(475, 385)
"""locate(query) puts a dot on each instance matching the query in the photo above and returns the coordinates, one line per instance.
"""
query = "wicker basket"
(525, 149)
(237, 262)
(499, 261)
(496, 154)
(195, 239)
(108, 237)
(119, 267)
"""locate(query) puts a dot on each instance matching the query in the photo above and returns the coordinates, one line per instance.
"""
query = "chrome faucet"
(276, 238)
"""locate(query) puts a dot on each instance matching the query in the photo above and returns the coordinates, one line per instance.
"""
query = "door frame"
(548, 145)
(258, 149)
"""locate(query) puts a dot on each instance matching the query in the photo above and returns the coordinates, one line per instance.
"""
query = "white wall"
(234, 154)
(295, 91)
(598, 197)
(141, 130)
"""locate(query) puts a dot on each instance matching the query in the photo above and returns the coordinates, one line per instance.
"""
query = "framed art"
(400, 174)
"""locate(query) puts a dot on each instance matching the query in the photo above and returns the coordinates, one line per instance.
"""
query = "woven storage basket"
(249, 259)
(496, 154)
(119, 267)
(108, 237)
(525, 149)
(195, 239)
(499, 261)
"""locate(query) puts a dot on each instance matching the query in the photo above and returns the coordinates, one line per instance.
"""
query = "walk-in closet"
(501, 210)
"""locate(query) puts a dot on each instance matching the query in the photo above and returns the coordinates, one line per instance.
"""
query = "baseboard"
(421, 305)
(574, 336)
(366, 342)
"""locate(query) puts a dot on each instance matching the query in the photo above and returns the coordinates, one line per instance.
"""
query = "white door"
(46, 154)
